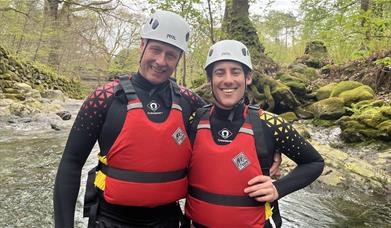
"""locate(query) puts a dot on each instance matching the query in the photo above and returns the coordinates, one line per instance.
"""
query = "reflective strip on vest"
(223, 199)
(203, 126)
(246, 131)
(176, 106)
(134, 105)
(143, 177)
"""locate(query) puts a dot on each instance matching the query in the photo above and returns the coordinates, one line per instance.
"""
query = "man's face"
(159, 61)
(228, 83)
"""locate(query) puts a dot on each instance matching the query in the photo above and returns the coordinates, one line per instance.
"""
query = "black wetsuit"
(93, 124)
(280, 136)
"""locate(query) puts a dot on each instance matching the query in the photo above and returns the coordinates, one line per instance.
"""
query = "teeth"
(228, 90)
(157, 69)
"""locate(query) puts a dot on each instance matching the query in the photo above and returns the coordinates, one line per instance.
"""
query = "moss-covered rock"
(37, 76)
(344, 86)
(323, 123)
(315, 55)
(357, 94)
(289, 116)
(303, 113)
(368, 123)
(302, 71)
(297, 85)
(330, 108)
(325, 91)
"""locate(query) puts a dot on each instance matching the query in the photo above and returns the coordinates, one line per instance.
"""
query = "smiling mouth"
(158, 69)
(228, 90)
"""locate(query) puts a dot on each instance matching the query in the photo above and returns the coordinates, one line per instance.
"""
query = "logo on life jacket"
(241, 161)
(179, 136)
(225, 133)
(153, 106)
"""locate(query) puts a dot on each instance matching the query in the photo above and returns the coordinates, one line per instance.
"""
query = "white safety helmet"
(167, 27)
(229, 50)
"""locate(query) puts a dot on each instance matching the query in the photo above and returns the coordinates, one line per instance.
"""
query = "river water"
(30, 154)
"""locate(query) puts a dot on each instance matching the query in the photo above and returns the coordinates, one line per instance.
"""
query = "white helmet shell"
(229, 50)
(167, 27)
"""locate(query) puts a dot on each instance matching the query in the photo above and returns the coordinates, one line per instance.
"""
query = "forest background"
(97, 40)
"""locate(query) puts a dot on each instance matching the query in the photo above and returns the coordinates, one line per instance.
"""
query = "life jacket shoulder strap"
(259, 137)
(200, 114)
(127, 87)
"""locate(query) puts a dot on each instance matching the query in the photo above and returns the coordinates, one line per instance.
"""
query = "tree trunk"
(54, 43)
(364, 22)
(212, 38)
(237, 25)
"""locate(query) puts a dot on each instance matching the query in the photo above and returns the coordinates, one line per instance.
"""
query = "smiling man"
(233, 149)
(137, 181)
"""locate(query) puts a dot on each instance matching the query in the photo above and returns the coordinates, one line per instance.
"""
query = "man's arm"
(82, 137)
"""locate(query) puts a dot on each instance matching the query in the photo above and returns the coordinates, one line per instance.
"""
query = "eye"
(219, 73)
(172, 56)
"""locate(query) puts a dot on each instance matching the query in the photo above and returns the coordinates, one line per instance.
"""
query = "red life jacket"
(146, 165)
(217, 178)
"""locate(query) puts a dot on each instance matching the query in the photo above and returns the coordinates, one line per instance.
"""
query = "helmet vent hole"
(210, 52)
(150, 21)
(155, 24)
(187, 36)
(244, 52)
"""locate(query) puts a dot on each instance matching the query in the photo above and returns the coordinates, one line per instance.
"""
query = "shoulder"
(105, 91)
(272, 120)
(101, 95)
(194, 99)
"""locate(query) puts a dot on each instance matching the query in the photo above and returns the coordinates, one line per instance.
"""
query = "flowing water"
(30, 153)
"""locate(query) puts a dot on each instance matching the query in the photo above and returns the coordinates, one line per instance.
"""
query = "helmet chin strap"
(145, 48)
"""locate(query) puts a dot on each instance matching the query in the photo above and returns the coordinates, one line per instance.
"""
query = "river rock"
(344, 86)
(54, 95)
(369, 123)
(289, 116)
(330, 108)
(18, 109)
(357, 94)
(325, 91)
(65, 115)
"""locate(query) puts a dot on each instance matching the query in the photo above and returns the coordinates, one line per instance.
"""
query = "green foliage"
(383, 61)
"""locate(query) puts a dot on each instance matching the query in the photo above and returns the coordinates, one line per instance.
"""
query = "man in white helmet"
(140, 122)
(233, 149)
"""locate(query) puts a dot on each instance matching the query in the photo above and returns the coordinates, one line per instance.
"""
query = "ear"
(249, 78)
(142, 44)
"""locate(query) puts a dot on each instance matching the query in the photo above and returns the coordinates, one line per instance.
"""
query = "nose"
(229, 78)
(161, 59)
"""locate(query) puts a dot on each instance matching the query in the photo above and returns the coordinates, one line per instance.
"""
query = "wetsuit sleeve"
(83, 136)
(288, 141)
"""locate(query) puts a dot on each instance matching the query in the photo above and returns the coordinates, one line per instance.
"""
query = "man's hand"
(262, 189)
(275, 169)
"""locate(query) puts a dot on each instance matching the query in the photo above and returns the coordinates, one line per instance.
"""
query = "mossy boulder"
(303, 113)
(271, 94)
(344, 86)
(315, 55)
(325, 91)
(385, 127)
(357, 94)
(330, 108)
(297, 85)
(302, 71)
(289, 116)
(368, 123)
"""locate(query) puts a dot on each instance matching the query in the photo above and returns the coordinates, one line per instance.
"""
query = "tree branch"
(15, 10)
